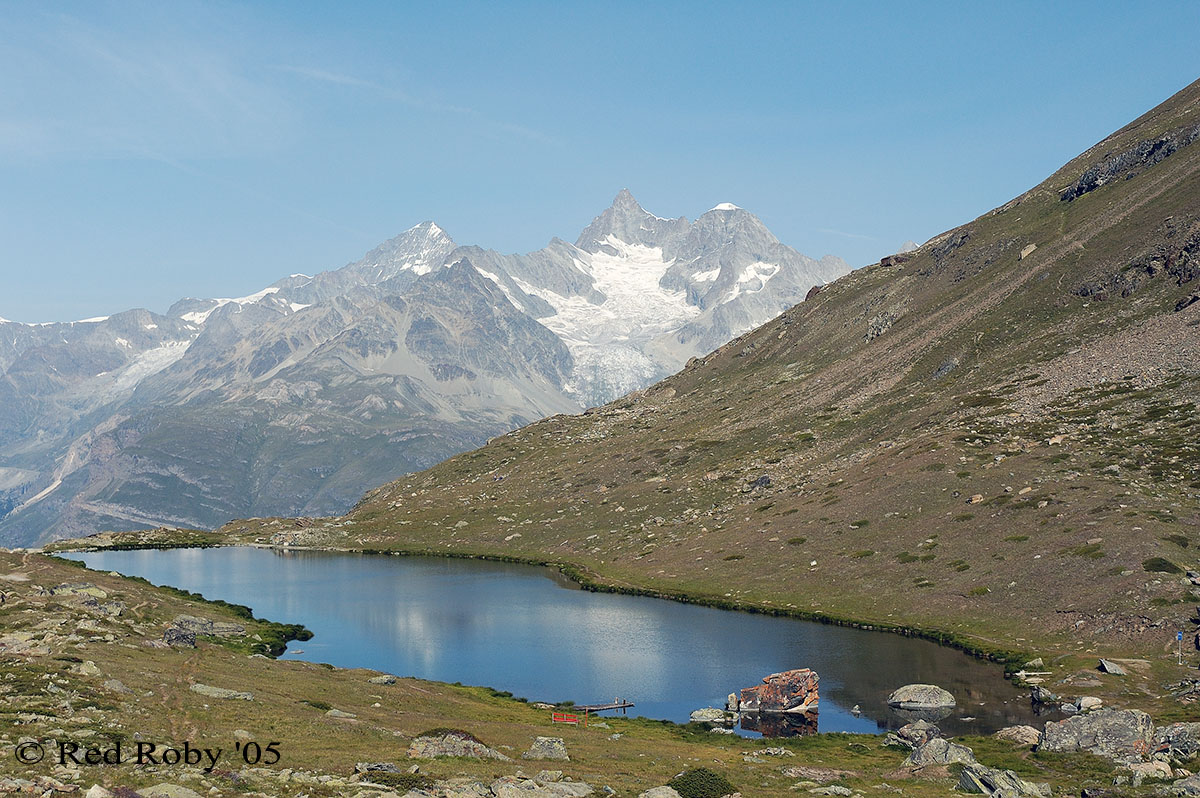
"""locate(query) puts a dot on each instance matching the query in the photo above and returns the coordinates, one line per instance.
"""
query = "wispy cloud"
(391, 93)
(80, 88)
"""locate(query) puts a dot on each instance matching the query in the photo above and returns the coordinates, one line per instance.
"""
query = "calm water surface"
(530, 631)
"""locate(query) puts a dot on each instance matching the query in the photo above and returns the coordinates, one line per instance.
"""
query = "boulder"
(376, 767)
(1119, 734)
(1179, 741)
(660, 792)
(1040, 695)
(709, 715)
(788, 691)
(220, 692)
(179, 638)
(386, 678)
(547, 748)
(939, 751)
(1189, 787)
(1108, 666)
(1024, 735)
(921, 697)
(1140, 771)
(978, 778)
(451, 742)
(206, 626)
(521, 787)
(168, 791)
(1089, 703)
(912, 735)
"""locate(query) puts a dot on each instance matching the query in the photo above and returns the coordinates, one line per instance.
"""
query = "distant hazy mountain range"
(296, 399)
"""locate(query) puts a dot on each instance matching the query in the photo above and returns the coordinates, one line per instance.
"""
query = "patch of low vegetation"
(1091, 551)
(323, 706)
(701, 783)
(401, 781)
(1160, 565)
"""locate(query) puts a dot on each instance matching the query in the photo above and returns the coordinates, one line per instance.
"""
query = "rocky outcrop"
(1119, 734)
(208, 627)
(1023, 735)
(788, 691)
(547, 748)
(977, 778)
(1127, 163)
(451, 742)
(221, 692)
(939, 751)
(1178, 741)
(1188, 787)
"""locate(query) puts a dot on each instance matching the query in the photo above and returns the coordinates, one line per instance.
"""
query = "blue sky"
(150, 151)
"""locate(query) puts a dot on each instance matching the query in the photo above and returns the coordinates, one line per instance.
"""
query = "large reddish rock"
(789, 691)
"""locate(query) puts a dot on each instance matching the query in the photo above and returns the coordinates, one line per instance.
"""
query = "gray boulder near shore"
(1118, 734)
(921, 696)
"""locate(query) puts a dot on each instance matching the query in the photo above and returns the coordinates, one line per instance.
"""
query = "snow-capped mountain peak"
(626, 220)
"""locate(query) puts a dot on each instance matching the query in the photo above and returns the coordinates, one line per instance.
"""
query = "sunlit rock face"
(790, 691)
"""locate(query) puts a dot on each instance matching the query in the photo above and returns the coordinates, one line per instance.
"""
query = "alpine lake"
(530, 631)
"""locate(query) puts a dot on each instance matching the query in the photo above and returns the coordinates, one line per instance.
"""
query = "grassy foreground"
(81, 660)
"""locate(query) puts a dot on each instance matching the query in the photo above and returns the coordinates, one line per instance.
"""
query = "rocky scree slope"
(994, 436)
(298, 398)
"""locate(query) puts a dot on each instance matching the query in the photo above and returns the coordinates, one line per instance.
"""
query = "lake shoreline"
(1010, 659)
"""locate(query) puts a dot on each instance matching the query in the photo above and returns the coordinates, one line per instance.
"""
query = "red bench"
(563, 717)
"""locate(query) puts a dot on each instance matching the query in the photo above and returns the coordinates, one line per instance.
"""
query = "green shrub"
(858, 555)
(701, 783)
(796, 541)
(736, 557)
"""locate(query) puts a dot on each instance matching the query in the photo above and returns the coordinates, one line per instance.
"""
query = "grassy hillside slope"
(996, 437)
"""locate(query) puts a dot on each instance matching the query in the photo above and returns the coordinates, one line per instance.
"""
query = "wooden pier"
(590, 708)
